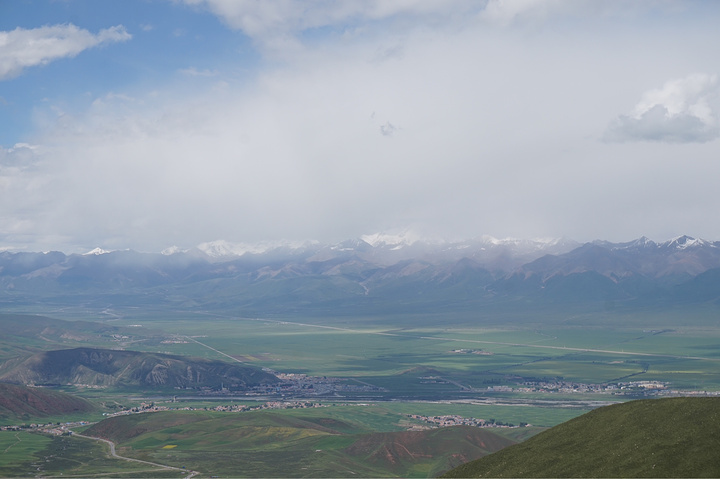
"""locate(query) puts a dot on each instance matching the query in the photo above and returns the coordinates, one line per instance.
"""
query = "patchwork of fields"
(686, 358)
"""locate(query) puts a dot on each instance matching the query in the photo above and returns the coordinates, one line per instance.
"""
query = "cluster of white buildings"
(455, 420)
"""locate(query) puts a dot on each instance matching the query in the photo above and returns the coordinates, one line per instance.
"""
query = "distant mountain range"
(373, 273)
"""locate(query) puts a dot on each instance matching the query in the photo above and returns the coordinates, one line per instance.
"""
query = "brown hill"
(24, 402)
(454, 445)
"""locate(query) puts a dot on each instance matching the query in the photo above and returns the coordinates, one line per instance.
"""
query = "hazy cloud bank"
(453, 119)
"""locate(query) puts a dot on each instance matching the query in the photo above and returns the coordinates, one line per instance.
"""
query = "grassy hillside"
(29, 454)
(425, 452)
(324, 442)
(677, 437)
(20, 402)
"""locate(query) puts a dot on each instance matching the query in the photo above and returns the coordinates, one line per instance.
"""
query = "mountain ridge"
(114, 367)
(316, 276)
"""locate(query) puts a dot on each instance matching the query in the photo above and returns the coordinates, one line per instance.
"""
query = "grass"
(366, 350)
(392, 351)
(385, 350)
(338, 441)
(32, 454)
(17, 448)
(537, 416)
(676, 437)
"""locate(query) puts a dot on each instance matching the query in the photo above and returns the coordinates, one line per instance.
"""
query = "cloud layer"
(22, 48)
(453, 119)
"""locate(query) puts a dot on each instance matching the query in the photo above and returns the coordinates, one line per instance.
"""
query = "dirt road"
(113, 453)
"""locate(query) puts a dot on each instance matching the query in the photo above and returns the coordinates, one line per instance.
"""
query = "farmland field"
(593, 352)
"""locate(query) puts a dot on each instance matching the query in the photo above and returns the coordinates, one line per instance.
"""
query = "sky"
(146, 124)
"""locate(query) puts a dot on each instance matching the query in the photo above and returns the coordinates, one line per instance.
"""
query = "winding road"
(113, 453)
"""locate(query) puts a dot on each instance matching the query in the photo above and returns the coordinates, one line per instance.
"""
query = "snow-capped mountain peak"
(493, 241)
(405, 238)
(96, 251)
(529, 244)
(223, 249)
(351, 245)
(684, 242)
(641, 243)
(644, 241)
(173, 250)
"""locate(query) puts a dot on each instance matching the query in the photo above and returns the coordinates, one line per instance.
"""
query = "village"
(59, 429)
(575, 387)
(53, 428)
(628, 388)
(152, 407)
(455, 420)
(294, 384)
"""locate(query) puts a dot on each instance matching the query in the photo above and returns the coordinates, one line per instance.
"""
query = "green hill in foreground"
(674, 437)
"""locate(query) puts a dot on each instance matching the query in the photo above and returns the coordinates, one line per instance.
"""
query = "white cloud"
(276, 24)
(682, 111)
(19, 146)
(22, 197)
(687, 95)
(18, 156)
(22, 48)
(258, 18)
(505, 11)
